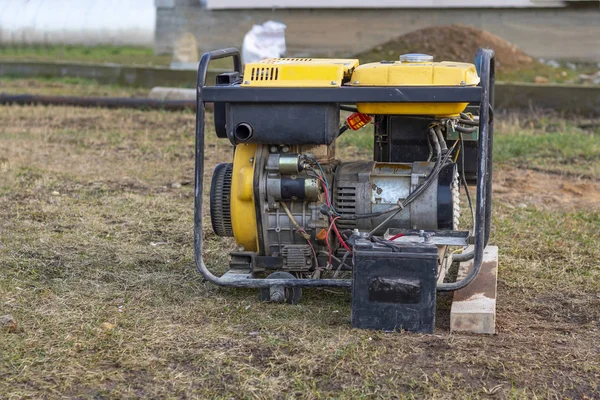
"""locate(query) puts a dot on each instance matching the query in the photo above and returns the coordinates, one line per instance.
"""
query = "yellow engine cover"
(242, 209)
(298, 72)
(399, 73)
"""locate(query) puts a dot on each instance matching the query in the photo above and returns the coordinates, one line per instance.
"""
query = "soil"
(451, 43)
(97, 275)
(523, 186)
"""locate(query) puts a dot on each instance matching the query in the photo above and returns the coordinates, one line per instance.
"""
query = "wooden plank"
(474, 307)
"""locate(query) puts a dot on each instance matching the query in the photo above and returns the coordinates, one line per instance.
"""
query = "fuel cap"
(416, 57)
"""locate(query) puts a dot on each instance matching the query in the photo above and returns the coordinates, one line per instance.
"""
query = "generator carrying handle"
(199, 185)
(486, 61)
(216, 55)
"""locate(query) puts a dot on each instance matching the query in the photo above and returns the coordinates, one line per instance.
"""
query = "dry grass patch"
(67, 87)
(96, 267)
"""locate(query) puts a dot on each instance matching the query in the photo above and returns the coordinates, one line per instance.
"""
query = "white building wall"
(359, 4)
(88, 22)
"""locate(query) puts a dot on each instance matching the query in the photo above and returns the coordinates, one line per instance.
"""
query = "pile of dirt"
(450, 43)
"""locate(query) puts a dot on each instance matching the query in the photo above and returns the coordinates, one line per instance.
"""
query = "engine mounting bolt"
(463, 83)
(308, 262)
(355, 82)
(333, 83)
(285, 149)
(274, 149)
(251, 160)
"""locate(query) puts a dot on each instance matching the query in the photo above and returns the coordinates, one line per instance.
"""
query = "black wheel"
(281, 295)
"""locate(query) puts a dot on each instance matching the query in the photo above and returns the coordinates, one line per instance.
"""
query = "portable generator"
(388, 228)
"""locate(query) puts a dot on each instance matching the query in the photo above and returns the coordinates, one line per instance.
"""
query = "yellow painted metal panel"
(243, 212)
(398, 73)
(348, 63)
(298, 72)
(436, 109)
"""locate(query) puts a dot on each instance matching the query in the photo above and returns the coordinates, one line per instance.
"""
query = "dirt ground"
(452, 43)
(525, 186)
(96, 268)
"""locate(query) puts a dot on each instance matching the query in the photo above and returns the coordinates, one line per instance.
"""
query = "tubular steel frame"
(481, 95)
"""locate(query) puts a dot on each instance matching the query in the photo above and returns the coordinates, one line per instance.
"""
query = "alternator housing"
(367, 187)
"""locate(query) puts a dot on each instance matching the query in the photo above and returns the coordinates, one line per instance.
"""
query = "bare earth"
(522, 186)
(96, 269)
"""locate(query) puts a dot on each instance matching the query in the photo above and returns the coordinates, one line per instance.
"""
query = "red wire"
(341, 240)
(326, 192)
(396, 236)
(335, 229)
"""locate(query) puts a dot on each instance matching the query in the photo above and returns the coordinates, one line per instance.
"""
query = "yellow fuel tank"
(414, 70)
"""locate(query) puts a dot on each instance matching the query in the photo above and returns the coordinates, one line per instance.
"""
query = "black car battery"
(394, 286)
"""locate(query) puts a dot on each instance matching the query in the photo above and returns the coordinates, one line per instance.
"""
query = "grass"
(87, 54)
(97, 228)
(564, 73)
(550, 144)
(101, 54)
(67, 87)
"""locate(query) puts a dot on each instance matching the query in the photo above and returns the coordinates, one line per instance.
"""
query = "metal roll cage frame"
(482, 95)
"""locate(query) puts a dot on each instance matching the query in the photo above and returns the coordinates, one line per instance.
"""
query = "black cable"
(413, 195)
(462, 129)
(372, 215)
(469, 122)
(343, 129)
(348, 108)
(342, 263)
(424, 185)
(463, 178)
(436, 170)
(462, 257)
(430, 154)
(386, 243)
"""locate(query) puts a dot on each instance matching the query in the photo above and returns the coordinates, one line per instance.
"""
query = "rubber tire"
(292, 295)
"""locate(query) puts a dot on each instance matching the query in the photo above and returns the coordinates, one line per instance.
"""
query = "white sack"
(264, 41)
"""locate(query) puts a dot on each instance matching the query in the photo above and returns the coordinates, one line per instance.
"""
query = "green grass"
(549, 144)
(126, 55)
(145, 56)
(87, 54)
(560, 74)
(358, 143)
(93, 231)
(67, 87)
